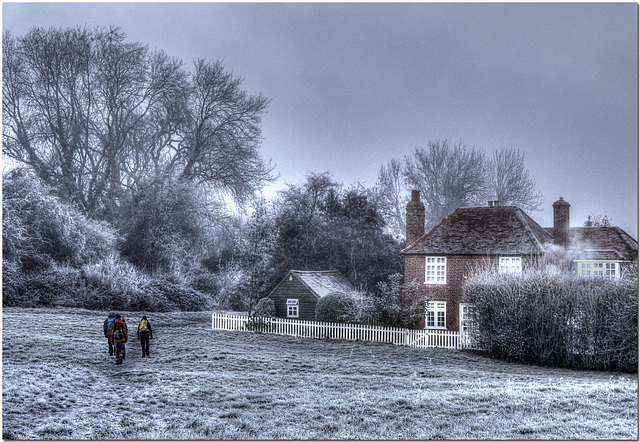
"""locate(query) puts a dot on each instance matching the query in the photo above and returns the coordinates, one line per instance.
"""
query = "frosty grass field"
(59, 383)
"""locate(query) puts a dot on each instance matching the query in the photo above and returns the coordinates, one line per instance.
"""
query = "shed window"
(292, 308)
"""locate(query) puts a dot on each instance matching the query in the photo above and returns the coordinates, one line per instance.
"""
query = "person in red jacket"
(118, 337)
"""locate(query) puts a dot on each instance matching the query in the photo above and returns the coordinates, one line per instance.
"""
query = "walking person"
(145, 334)
(118, 337)
(108, 323)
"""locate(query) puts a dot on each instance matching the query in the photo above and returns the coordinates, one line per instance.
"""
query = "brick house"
(506, 238)
(297, 295)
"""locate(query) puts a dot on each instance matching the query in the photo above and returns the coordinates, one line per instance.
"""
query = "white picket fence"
(347, 332)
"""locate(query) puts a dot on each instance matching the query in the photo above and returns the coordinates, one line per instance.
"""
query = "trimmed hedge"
(557, 319)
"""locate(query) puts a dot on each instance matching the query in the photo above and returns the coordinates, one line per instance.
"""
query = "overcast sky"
(355, 85)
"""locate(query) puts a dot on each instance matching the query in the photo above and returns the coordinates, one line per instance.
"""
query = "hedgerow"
(556, 318)
(71, 287)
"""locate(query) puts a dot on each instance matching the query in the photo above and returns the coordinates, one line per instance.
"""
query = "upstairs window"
(510, 264)
(436, 314)
(436, 270)
(292, 308)
(598, 269)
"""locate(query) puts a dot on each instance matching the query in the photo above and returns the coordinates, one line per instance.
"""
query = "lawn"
(60, 383)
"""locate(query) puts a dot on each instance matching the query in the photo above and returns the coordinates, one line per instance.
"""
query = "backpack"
(110, 322)
(143, 327)
(117, 333)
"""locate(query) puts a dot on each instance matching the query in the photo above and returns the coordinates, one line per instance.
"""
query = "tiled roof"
(323, 282)
(606, 243)
(483, 230)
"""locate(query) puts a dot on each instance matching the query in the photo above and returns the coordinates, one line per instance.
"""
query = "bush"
(265, 307)
(395, 304)
(39, 229)
(336, 307)
(556, 318)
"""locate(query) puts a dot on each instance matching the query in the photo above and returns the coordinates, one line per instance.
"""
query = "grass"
(60, 383)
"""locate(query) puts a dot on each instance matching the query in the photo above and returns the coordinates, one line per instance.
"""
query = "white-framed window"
(598, 269)
(466, 324)
(510, 264)
(292, 308)
(436, 314)
(436, 270)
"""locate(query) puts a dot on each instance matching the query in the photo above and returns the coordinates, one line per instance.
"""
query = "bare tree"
(392, 196)
(447, 176)
(220, 144)
(452, 176)
(509, 180)
(94, 116)
(597, 221)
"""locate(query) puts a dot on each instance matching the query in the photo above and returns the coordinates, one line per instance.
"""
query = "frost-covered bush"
(556, 318)
(336, 307)
(54, 286)
(265, 307)
(395, 304)
(40, 229)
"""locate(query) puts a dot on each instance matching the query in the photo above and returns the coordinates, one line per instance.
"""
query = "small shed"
(296, 296)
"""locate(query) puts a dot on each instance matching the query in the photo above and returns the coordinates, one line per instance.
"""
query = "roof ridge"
(528, 229)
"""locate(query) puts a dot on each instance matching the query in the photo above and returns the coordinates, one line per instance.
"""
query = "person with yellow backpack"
(145, 334)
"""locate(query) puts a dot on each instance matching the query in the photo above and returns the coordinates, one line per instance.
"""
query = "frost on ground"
(59, 383)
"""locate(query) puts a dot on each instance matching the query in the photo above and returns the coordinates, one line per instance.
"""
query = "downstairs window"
(598, 269)
(436, 314)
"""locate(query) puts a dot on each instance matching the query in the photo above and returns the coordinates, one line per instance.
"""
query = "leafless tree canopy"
(447, 176)
(451, 176)
(509, 180)
(94, 115)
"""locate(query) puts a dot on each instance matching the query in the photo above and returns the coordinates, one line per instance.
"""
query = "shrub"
(556, 318)
(40, 229)
(336, 307)
(265, 307)
(165, 226)
(395, 304)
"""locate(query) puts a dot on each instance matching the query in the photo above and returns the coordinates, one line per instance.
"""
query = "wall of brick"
(458, 268)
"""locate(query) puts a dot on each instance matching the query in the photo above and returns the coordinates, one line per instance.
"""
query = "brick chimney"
(415, 217)
(561, 223)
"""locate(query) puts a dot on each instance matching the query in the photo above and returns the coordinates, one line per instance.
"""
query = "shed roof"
(482, 231)
(320, 283)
